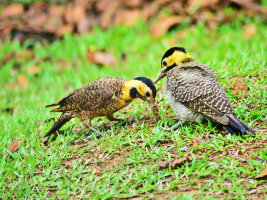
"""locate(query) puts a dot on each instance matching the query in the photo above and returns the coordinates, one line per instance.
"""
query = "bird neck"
(130, 90)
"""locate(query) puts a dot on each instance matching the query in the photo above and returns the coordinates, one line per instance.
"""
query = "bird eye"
(165, 63)
(147, 94)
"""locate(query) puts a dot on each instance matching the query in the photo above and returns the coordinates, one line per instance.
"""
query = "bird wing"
(85, 100)
(89, 97)
(198, 93)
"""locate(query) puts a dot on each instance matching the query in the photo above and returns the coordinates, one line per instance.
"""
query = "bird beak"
(161, 75)
(151, 104)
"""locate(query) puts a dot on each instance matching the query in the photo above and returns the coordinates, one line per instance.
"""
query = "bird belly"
(182, 112)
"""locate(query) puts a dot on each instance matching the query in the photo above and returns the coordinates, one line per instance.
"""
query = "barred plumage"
(193, 91)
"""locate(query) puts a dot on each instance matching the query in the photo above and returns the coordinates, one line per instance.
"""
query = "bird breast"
(182, 112)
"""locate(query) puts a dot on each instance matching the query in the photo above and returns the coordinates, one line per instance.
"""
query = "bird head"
(143, 88)
(171, 59)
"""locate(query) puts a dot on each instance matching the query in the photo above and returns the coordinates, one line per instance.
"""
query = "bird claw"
(98, 134)
(174, 127)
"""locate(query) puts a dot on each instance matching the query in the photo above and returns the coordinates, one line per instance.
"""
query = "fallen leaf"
(97, 171)
(34, 70)
(178, 163)
(84, 25)
(163, 2)
(250, 31)
(13, 147)
(68, 164)
(12, 10)
(160, 28)
(238, 86)
(68, 28)
(24, 55)
(134, 127)
(5, 32)
(127, 17)
(262, 175)
(195, 143)
(133, 3)
(78, 13)
(23, 81)
(108, 14)
(175, 163)
(100, 58)
(38, 20)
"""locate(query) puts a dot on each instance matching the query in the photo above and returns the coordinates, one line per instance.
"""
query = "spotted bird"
(102, 97)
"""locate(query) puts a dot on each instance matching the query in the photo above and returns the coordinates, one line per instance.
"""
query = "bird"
(102, 97)
(193, 91)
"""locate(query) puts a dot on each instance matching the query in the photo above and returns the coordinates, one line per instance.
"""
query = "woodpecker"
(194, 92)
(102, 97)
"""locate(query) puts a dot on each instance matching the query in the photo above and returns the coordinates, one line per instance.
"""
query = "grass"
(124, 163)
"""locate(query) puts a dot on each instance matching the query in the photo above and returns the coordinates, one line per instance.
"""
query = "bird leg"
(175, 126)
(87, 124)
(112, 118)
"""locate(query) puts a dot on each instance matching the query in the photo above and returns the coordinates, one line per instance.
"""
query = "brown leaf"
(7, 57)
(83, 25)
(133, 3)
(165, 164)
(12, 10)
(127, 17)
(149, 10)
(163, 2)
(100, 58)
(68, 28)
(38, 20)
(250, 31)
(107, 16)
(238, 86)
(175, 163)
(247, 4)
(134, 127)
(23, 81)
(97, 171)
(5, 32)
(178, 163)
(163, 25)
(13, 147)
(78, 13)
(68, 164)
(34, 70)
(24, 55)
(195, 143)
(262, 175)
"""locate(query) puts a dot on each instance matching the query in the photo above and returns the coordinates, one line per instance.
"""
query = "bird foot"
(98, 133)
(123, 122)
(174, 127)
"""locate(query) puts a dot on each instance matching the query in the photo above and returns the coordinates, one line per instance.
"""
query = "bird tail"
(58, 124)
(236, 127)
